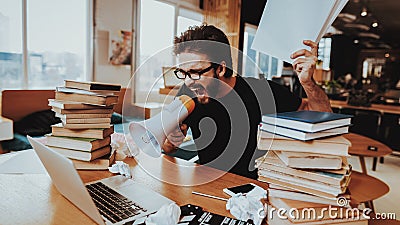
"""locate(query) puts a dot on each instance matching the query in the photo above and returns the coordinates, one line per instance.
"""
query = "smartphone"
(243, 189)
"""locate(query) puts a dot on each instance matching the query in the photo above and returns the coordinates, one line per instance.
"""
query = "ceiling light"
(356, 41)
(374, 24)
(387, 55)
(364, 11)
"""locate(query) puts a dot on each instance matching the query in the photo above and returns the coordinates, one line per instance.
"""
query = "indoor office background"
(358, 66)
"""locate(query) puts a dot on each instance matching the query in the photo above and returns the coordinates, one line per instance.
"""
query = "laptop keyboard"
(112, 205)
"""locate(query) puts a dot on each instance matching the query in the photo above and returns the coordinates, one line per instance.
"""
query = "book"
(273, 180)
(308, 121)
(272, 162)
(82, 111)
(82, 144)
(300, 196)
(337, 145)
(86, 125)
(82, 155)
(301, 135)
(66, 120)
(281, 29)
(332, 190)
(91, 85)
(101, 163)
(103, 100)
(83, 115)
(309, 160)
(59, 130)
(85, 92)
(74, 105)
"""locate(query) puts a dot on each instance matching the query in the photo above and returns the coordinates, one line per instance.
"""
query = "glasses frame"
(189, 74)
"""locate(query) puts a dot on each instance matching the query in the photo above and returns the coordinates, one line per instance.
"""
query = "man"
(228, 108)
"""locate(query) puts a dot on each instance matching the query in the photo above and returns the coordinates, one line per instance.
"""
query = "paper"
(249, 206)
(25, 162)
(166, 215)
(121, 168)
(286, 23)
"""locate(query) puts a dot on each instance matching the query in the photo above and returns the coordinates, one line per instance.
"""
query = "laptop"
(113, 200)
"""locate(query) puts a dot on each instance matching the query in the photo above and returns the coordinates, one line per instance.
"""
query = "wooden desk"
(377, 107)
(32, 199)
(359, 147)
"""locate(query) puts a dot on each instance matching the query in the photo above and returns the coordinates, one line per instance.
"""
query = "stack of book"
(306, 164)
(85, 109)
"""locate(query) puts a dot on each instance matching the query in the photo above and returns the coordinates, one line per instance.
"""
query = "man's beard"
(204, 94)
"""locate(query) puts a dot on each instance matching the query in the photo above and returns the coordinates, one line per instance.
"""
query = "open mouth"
(199, 90)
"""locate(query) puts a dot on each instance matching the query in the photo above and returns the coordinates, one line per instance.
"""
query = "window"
(56, 44)
(324, 52)
(256, 63)
(11, 74)
(156, 33)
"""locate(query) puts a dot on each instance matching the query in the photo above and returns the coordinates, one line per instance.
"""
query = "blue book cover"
(310, 116)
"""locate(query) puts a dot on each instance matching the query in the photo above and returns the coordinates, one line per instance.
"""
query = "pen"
(209, 196)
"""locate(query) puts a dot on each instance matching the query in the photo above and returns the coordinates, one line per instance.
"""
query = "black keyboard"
(112, 205)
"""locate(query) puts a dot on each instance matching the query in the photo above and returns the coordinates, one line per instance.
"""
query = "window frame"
(25, 52)
(250, 28)
(178, 6)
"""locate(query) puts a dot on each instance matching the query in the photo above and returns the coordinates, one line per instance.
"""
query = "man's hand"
(175, 138)
(305, 65)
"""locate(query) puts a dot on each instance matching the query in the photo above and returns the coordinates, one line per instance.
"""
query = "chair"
(366, 123)
(390, 130)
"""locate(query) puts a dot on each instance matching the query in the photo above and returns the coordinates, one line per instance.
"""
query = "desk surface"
(359, 146)
(377, 107)
(34, 194)
(32, 199)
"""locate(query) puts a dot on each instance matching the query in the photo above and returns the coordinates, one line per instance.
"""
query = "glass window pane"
(57, 41)
(250, 60)
(160, 28)
(264, 64)
(274, 66)
(11, 73)
(187, 18)
(324, 52)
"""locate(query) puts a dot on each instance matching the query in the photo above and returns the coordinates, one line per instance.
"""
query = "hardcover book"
(337, 145)
(82, 155)
(310, 161)
(301, 135)
(82, 144)
(91, 85)
(73, 105)
(59, 130)
(308, 121)
(101, 163)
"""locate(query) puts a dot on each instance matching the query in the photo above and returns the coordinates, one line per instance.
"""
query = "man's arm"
(304, 67)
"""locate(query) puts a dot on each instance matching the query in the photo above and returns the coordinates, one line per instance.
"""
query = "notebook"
(114, 200)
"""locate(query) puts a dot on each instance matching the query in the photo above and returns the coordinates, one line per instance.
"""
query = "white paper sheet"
(286, 23)
(23, 162)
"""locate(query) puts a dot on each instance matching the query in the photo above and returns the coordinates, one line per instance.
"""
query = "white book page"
(286, 23)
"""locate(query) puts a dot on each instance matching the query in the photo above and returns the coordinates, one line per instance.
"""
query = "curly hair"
(208, 40)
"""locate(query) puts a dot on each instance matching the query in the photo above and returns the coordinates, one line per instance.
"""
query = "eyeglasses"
(192, 74)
